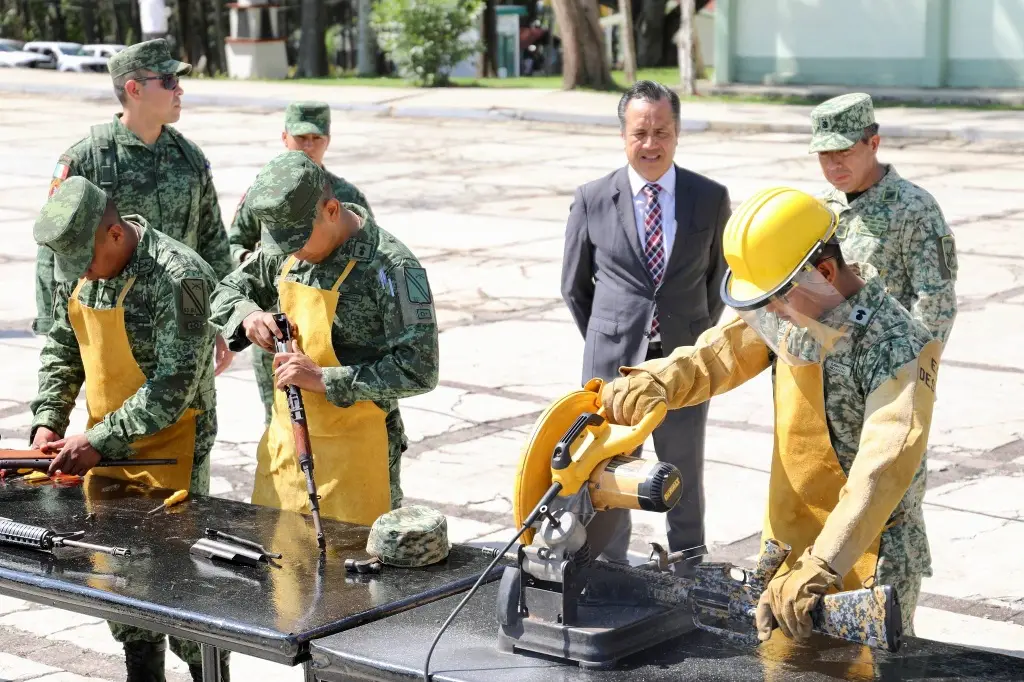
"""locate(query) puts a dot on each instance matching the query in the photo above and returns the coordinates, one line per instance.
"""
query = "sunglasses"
(169, 81)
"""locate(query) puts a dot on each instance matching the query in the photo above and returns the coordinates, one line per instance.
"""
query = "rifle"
(725, 605)
(37, 537)
(303, 447)
(33, 459)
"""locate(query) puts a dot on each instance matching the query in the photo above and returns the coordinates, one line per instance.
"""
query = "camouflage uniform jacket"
(244, 233)
(898, 229)
(887, 339)
(174, 354)
(384, 329)
(168, 183)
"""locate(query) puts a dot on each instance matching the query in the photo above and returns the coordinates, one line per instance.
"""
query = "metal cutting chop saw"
(557, 600)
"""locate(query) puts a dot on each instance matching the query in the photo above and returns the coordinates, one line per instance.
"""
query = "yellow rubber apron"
(111, 377)
(806, 476)
(350, 444)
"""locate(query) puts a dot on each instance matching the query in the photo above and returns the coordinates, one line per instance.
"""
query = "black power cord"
(538, 511)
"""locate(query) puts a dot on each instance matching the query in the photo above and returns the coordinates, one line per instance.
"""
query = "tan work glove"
(628, 399)
(791, 598)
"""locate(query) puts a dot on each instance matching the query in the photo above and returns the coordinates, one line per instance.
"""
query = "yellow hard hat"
(768, 240)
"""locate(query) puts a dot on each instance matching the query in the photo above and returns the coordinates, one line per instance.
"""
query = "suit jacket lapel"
(623, 198)
(686, 201)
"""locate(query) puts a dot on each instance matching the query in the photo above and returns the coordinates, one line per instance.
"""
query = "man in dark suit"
(641, 275)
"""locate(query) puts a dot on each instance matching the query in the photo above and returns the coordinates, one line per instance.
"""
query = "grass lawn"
(669, 76)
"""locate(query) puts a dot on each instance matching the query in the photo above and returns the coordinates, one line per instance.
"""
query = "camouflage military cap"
(308, 118)
(67, 226)
(152, 55)
(284, 198)
(839, 123)
(409, 537)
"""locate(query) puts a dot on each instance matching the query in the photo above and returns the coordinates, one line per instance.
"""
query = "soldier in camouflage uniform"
(852, 417)
(142, 301)
(147, 167)
(307, 128)
(885, 221)
(365, 323)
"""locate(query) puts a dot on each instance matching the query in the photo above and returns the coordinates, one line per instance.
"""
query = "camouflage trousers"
(263, 368)
(186, 650)
(907, 584)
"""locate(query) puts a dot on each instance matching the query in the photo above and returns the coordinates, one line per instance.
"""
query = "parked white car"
(11, 56)
(105, 50)
(67, 57)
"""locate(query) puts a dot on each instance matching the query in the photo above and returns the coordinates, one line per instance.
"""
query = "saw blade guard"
(596, 443)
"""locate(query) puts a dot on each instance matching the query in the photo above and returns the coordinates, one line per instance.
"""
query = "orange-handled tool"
(171, 501)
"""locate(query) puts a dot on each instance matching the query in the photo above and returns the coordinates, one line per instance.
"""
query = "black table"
(268, 612)
(394, 649)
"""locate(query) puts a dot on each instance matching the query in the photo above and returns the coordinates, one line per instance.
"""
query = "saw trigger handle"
(562, 457)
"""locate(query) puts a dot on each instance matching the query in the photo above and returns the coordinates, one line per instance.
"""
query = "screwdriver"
(171, 501)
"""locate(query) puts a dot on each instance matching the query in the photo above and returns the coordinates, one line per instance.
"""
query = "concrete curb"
(966, 134)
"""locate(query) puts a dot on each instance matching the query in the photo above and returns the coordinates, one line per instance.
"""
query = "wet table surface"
(272, 612)
(395, 649)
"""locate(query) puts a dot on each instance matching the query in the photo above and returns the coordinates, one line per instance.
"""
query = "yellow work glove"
(791, 598)
(628, 399)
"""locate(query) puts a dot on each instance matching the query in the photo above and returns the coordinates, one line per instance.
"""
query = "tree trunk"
(312, 50)
(650, 34)
(365, 63)
(628, 41)
(583, 62)
(219, 30)
(684, 44)
(88, 22)
(488, 67)
(184, 29)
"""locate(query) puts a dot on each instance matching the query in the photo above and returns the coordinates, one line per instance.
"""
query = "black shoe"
(145, 661)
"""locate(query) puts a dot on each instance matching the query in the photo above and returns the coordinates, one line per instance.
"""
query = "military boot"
(197, 671)
(145, 661)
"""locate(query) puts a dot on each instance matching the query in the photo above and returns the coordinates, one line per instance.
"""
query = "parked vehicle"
(13, 57)
(105, 50)
(67, 57)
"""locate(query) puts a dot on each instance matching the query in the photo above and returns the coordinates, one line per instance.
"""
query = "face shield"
(801, 321)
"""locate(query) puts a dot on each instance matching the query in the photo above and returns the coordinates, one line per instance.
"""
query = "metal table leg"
(211, 663)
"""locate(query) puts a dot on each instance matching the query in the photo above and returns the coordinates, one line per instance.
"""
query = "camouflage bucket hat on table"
(152, 55)
(67, 226)
(839, 123)
(307, 118)
(284, 199)
(409, 537)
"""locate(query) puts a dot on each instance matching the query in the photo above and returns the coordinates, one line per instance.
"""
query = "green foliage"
(422, 37)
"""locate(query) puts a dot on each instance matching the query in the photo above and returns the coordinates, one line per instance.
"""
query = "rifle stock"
(300, 431)
(869, 616)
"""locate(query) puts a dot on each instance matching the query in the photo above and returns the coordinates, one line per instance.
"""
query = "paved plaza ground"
(483, 204)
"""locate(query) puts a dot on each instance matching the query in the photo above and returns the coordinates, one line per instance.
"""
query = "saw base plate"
(600, 636)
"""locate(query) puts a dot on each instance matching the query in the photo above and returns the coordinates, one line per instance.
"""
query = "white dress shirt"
(667, 201)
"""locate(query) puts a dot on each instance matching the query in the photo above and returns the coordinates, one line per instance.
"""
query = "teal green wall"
(966, 44)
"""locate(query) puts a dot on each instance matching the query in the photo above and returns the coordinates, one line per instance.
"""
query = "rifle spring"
(15, 533)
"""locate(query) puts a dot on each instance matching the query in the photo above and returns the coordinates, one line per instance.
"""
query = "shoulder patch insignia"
(60, 174)
(842, 229)
(192, 306)
(362, 251)
(947, 256)
(861, 315)
(414, 296)
(419, 288)
(890, 195)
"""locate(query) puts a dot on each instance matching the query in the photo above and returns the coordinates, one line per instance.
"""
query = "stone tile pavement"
(483, 205)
